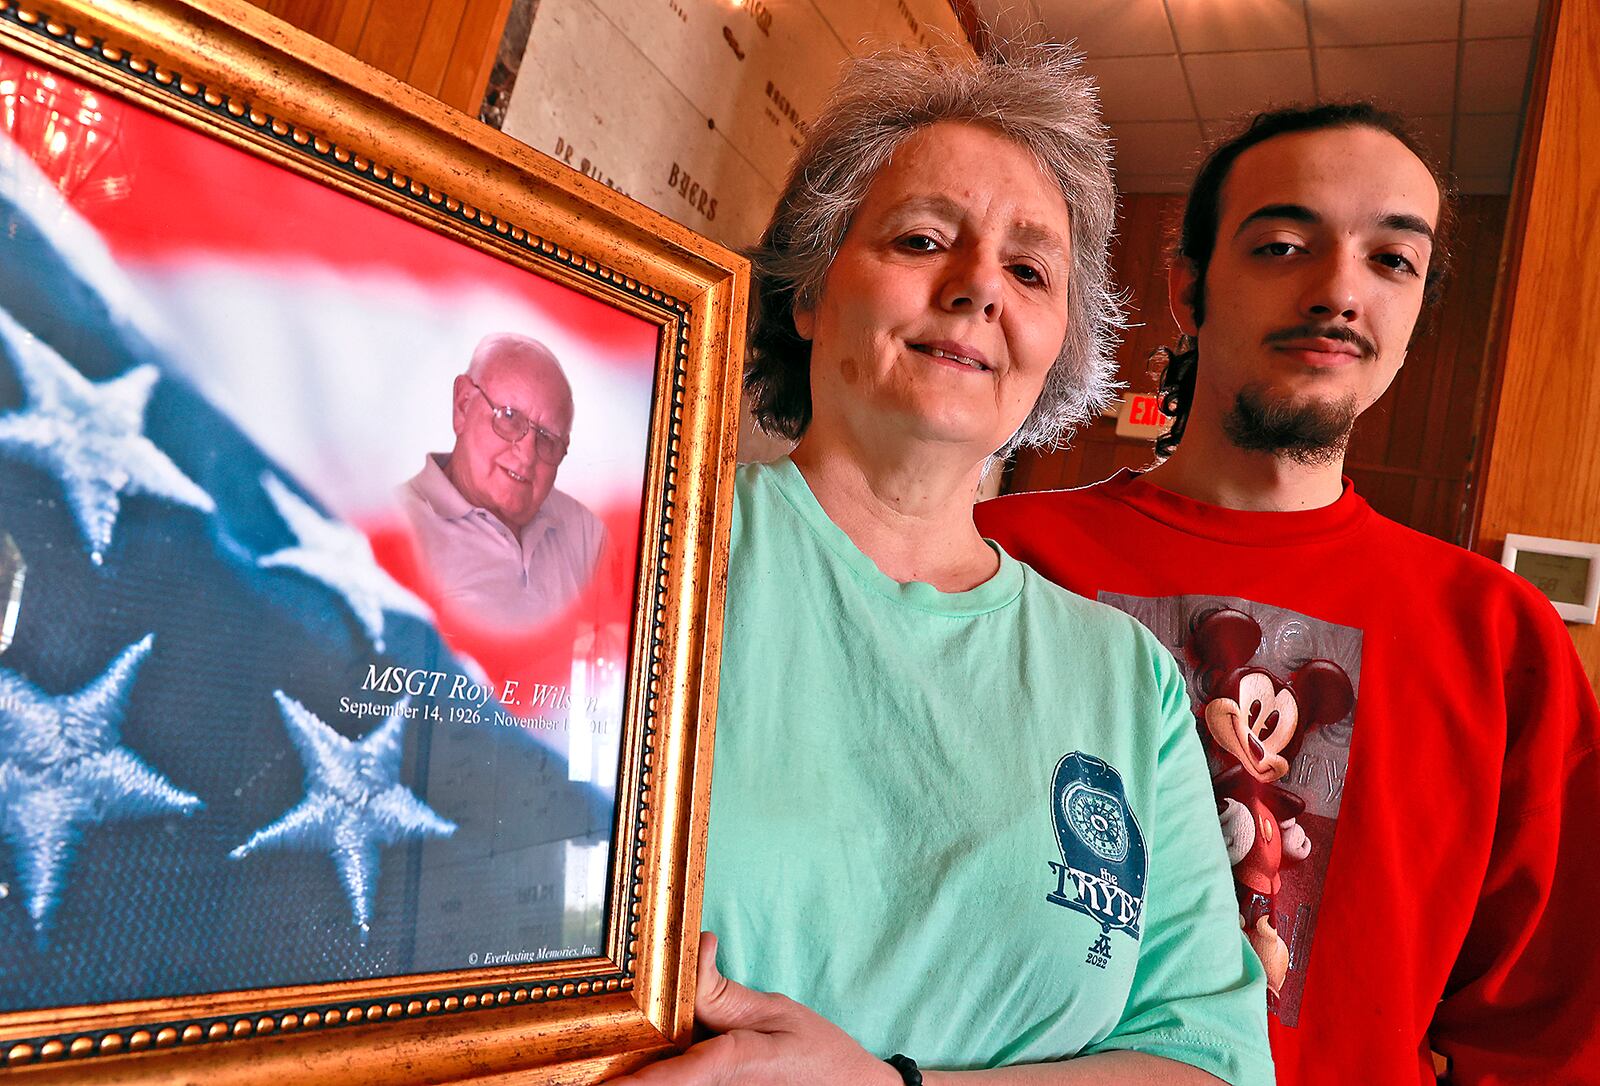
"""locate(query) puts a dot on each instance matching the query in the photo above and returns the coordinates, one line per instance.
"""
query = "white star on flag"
(63, 767)
(354, 802)
(90, 436)
(341, 558)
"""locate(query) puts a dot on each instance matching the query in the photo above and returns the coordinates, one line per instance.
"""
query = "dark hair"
(1035, 96)
(1197, 236)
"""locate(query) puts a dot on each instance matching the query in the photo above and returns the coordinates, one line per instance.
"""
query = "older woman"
(957, 813)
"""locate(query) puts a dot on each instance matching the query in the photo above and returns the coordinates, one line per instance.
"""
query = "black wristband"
(909, 1072)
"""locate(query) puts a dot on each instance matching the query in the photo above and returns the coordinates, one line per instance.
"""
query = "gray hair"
(1034, 96)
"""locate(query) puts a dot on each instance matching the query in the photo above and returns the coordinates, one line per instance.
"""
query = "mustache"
(1337, 332)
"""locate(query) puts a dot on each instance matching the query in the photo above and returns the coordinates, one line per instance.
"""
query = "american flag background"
(213, 375)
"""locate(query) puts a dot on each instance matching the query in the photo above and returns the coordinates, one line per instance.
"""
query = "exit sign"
(1140, 416)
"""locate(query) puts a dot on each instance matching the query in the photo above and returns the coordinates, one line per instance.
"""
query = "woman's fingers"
(722, 1005)
(761, 1037)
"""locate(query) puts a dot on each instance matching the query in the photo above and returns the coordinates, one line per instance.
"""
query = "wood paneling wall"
(1543, 462)
(1412, 452)
(445, 48)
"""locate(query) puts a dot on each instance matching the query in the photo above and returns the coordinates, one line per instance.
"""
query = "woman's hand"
(771, 1040)
(762, 1038)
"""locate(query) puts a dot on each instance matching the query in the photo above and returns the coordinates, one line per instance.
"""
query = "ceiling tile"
(1107, 28)
(1414, 79)
(1009, 20)
(1168, 148)
(1227, 84)
(1494, 74)
(1142, 88)
(1204, 26)
(1487, 146)
(1499, 18)
(1386, 22)
(1434, 131)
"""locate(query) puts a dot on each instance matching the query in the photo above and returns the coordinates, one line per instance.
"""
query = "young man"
(1405, 748)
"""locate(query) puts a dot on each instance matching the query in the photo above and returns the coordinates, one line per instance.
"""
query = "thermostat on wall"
(1566, 571)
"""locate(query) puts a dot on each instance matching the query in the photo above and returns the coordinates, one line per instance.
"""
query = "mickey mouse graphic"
(1252, 724)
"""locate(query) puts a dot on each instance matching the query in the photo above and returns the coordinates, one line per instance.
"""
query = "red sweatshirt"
(1406, 754)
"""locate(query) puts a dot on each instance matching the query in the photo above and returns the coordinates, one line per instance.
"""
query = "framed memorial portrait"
(364, 486)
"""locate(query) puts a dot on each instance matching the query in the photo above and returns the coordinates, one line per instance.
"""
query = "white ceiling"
(1175, 74)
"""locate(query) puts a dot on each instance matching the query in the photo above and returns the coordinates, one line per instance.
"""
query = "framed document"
(364, 479)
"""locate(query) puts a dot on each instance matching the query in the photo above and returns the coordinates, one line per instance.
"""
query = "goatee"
(1309, 432)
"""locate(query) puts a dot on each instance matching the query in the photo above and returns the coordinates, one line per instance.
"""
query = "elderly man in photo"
(504, 547)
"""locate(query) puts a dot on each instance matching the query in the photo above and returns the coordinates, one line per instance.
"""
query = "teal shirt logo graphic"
(1103, 861)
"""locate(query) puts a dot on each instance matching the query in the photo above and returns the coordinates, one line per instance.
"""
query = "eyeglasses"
(512, 426)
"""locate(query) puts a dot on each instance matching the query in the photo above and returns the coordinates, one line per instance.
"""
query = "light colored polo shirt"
(483, 570)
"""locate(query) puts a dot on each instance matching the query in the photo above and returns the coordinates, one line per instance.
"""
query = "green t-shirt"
(973, 827)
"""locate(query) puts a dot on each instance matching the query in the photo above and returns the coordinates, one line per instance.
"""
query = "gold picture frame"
(246, 81)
